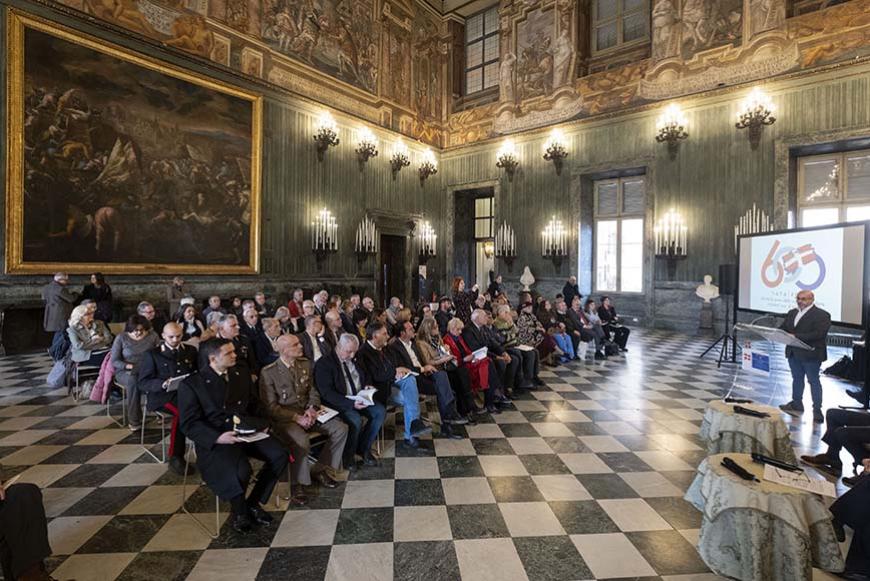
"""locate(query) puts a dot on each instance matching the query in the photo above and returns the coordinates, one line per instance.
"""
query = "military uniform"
(286, 392)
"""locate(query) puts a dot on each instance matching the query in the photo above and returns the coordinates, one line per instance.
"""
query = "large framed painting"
(120, 163)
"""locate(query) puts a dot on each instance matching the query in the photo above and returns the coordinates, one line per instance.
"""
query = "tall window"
(834, 188)
(483, 218)
(619, 22)
(481, 51)
(618, 236)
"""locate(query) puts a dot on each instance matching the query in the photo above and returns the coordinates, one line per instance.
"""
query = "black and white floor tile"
(581, 479)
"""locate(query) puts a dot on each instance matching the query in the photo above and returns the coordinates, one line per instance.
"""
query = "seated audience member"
(248, 304)
(434, 352)
(529, 367)
(24, 543)
(128, 350)
(266, 343)
(291, 402)
(550, 320)
(444, 314)
(191, 325)
(404, 315)
(395, 384)
(250, 325)
(99, 291)
(90, 339)
(612, 324)
(246, 359)
(172, 358)
(570, 290)
(308, 310)
(285, 321)
(236, 307)
(479, 370)
(403, 352)
(571, 322)
(355, 300)
(346, 314)
(295, 303)
(313, 344)
(392, 311)
(853, 510)
(362, 314)
(591, 312)
(148, 311)
(333, 329)
(320, 303)
(209, 402)
(214, 306)
(496, 286)
(531, 332)
(176, 291)
(425, 312)
(337, 375)
(334, 303)
(264, 309)
(483, 302)
(211, 328)
(478, 335)
(846, 429)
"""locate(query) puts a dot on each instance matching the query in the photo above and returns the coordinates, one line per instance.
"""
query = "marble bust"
(707, 291)
(526, 279)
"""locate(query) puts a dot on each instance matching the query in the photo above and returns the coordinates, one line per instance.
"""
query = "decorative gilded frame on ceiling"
(16, 22)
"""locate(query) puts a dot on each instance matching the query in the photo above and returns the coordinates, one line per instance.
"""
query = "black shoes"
(599, 356)
(447, 432)
(859, 396)
(824, 463)
(369, 460)
(792, 408)
(818, 417)
(242, 522)
(412, 442)
(456, 420)
(418, 428)
(260, 516)
(324, 480)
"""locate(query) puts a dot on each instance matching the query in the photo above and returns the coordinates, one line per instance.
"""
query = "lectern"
(772, 337)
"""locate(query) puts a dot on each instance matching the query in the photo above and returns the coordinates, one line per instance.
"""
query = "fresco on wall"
(126, 163)
(710, 23)
(534, 53)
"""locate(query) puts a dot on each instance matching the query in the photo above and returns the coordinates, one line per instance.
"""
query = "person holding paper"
(24, 543)
(477, 335)
(209, 401)
(810, 324)
(527, 371)
(171, 359)
(395, 384)
(337, 376)
(287, 392)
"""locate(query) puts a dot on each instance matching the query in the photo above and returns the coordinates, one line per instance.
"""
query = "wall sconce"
(489, 248)
(326, 135)
(324, 233)
(367, 238)
(671, 128)
(555, 151)
(506, 243)
(506, 159)
(428, 167)
(670, 234)
(755, 112)
(554, 241)
(752, 222)
(400, 157)
(367, 147)
(428, 240)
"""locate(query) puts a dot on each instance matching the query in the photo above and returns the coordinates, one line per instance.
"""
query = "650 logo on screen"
(788, 265)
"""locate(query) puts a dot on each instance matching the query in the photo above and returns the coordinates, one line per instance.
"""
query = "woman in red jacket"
(478, 370)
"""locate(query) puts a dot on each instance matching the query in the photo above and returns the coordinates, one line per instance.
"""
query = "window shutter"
(608, 204)
(632, 196)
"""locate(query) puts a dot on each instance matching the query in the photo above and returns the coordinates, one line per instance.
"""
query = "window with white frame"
(618, 234)
(481, 51)
(619, 22)
(833, 188)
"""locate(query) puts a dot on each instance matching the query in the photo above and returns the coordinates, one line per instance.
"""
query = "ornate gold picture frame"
(123, 164)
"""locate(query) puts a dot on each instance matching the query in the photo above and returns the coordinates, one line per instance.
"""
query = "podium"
(762, 367)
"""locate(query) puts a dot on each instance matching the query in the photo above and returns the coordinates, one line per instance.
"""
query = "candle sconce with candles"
(671, 129)
(555, 150)
(506, 159)
(326, 135)
(400, 158)
(367, 238)
(755, 112)
(324, 234)
(428, 241)
(752, 222)
(367, 147)
(428, 167)
(554, 241)
(671, 235)
(506, 244)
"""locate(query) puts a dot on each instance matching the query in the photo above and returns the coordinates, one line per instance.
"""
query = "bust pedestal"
(706, 318)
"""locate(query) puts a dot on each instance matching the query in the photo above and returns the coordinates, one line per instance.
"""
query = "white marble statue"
(527, 279)
(562, 56)
(707, 291)
(506, 77)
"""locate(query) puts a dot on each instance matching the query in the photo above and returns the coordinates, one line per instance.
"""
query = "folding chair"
(315, 441)
(162, 416)
(217, 501)
(123, 422)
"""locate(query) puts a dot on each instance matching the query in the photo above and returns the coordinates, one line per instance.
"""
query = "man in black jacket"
(570, 290)
(336, 375)
(314, 345)
(396, 384)
(403, 353)
(476, 336)
(810, 324)
(444, 314)
(210, 402)
(251, 327)
(246, 359)
(172, 358)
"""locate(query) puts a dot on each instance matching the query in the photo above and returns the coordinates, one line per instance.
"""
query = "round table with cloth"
(760, 531)
(726, 431)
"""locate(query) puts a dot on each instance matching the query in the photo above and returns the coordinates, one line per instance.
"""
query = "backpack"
(611, 348)
(841, 368)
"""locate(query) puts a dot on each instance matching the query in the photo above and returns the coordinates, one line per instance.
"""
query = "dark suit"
(442, 318)
(382, 374)
(207, 404)
(332, 384)
(437, 384)
(264, 350)
(476, 338)
(246, 359)
(812, 329)
(853, 510)
(158, 365)
(308, 348)
(23, 531)
(250, 332)
(347, 324)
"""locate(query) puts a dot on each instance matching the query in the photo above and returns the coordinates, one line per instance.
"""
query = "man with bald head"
(169, 359)
(810, 324)
(291, 401)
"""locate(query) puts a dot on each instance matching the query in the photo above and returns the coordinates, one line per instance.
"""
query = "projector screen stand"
(727, 353)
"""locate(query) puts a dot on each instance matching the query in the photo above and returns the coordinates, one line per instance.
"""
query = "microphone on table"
(750, 412)
(734, 467)
(736, 400)
(762, 459)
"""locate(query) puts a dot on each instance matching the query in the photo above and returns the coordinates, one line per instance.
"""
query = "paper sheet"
(799, 480)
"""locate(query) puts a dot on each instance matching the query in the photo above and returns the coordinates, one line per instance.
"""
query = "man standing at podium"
(810, 324)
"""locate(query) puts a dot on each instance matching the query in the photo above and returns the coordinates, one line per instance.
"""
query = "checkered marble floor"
(582, 479)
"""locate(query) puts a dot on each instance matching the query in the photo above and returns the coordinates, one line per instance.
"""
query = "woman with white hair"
(90, 339)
